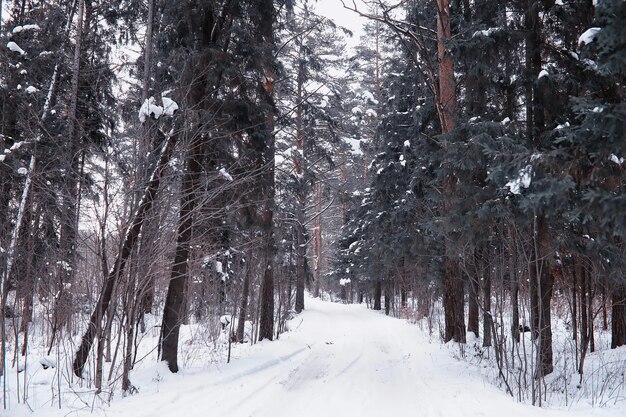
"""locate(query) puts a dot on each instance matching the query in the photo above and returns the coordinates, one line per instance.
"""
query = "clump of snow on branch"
(614, 158)
(169, 106)
(588, 36)
(150, 108)
(357, 110)
(543, 73)
(371, 113)
(64, 265)
(522, 181)
(224, 320)
(486, 32)
(224, 174)
(369, 97)
(344, 281)
(15, 48)
(18, 29)
(355, 144)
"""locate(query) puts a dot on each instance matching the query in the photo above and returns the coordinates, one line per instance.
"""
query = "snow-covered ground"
(336, 360)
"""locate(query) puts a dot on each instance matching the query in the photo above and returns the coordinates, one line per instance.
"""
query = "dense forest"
(167, 163)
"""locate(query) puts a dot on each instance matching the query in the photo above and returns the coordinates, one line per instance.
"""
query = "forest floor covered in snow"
(336, 360)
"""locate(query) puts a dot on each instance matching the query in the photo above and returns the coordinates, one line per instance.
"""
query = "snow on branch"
(224, 174)
(522, 181)
(169, 106)
(149, 108)
(588, 36)
(18, 29)
(15, 48)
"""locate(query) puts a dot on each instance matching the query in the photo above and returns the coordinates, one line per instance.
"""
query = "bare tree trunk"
(298, 161)
(317, 239)
(541, 277)
(243, 310)
(514, 283)
(173, 309)
(618, 315)
(584, 319)
(472, 311)
(300, 259)
(575, 279)
(447, 100)
(10, 258)
(541, 284)
(377, 294)
(266, 320)
(487, 318)
(131, 302)
(605, 322)
(388, 295)
(447, 109)
(265, 25)
(69, 222)
(144, 256)
(130, 238)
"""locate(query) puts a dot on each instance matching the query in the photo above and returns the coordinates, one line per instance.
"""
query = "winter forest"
(250, 208)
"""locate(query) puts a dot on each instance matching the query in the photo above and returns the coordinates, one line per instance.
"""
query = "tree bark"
(584, 319)
(243, 309)
(487, 318)
(388, 295)
(447, 109)
(377, 295)
(541, 277)
(317, 240)
(265, 26)
(473, 311)
(575, 279)
(618, 314)
(298, 161)
(541, 285)
(69, 223)
(514, 283)
(447, 100)
(173, 314)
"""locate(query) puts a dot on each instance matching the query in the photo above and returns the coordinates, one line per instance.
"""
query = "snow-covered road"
(338, 360)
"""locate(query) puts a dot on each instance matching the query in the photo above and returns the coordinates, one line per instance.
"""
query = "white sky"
(334, 10)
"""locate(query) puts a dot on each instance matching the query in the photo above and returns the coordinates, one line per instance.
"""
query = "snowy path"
(341, 360)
